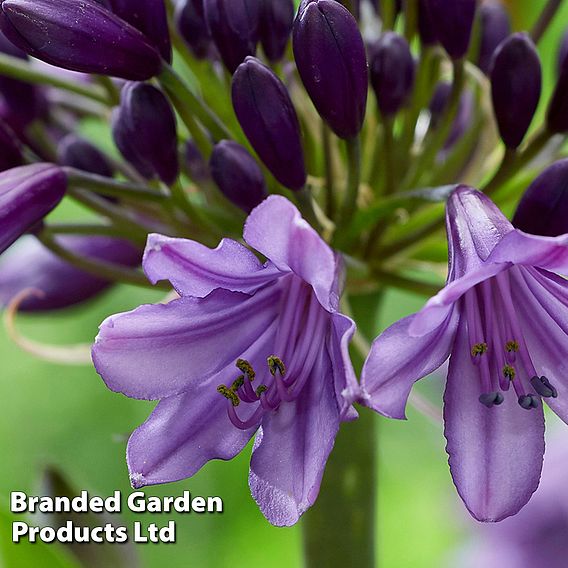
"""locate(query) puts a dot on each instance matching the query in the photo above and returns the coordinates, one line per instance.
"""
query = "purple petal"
(157, 351)
(276, 229)
(196, 270)
(292, 448)
(347, 388)
(495, 454)
(439, 306)
(550, 253)
(186, 431)
(475, 226)
(542, 299)
(397, 360)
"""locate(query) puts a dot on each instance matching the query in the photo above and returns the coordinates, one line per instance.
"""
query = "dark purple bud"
(150, 17)
(195, 165)
(191, 25)
(516, 80)
(331, 60)
(562, 57)
(464, 116)
(392, 72)
(276, 19)
(20, 103)
(543, 209)
(557, 114)
(495, 26)
(28, 264)
(237, 175)
(144, 130)
(80, 36)
(268, 118)
(76, 152)
(425, 27)
(234, 27)
(27, 195)
(452, 22)
(10, 148)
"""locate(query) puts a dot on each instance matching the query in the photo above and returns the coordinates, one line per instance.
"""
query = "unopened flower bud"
(268, 118)
(557, 114)
(237, 175)
(150, 17)
(191, 25)
(234, 27)
(543, 209)
(29, 265)
(10, 148)
(144, 129)
(425, 27)
(76, 152)
(452, 22)
(81, 36)
(27, 195)
(392, 72)
(276, 19)
(20, 103)
(495, 27)
(331, 60)
(515, 87)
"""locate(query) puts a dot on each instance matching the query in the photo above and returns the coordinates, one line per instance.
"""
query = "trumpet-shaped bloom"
(248, 348)
(502, 319)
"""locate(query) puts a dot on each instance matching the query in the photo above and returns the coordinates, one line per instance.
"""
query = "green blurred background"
(64, 416)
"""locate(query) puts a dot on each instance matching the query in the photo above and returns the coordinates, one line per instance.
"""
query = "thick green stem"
(353, 180)
(189, 105)
(389, 153)
(20, 69)
(545, 19)
(435, 140)
(347, 493)
(329, 175)
(111, 187)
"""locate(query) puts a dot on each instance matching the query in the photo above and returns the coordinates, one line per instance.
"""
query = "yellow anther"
(261, 389)
(479, 349)
(229, 394)
(512, 346)
(276, 364)
(246, 368)
(238, 383)
(509, 372)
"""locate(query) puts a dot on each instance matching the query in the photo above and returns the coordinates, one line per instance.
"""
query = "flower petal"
(495, 454)
(475, 225)
(397, 360)
(276, 229)
(196, 270)
(542, 299)
(550, 253)
(292, 448)
(186, 431)
(347, 388)
(157, 351)
(439, 306)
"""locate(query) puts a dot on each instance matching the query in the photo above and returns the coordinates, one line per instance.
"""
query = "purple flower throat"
(498, 348)
(303, 321)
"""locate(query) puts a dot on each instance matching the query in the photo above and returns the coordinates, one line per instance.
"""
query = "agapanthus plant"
(171, 122)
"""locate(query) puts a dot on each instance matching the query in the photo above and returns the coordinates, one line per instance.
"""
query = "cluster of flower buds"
(170, 123)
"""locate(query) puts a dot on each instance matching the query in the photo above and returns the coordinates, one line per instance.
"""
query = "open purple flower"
(503, 320)
(248, 348)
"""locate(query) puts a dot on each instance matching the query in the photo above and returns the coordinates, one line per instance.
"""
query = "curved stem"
(353, 180)
(20, 69)
(434, 142)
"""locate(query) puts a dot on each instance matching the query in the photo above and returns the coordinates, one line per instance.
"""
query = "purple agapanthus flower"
(503, 319)
(248, 348)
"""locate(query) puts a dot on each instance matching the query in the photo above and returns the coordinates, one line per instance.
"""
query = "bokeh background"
(63, 416)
